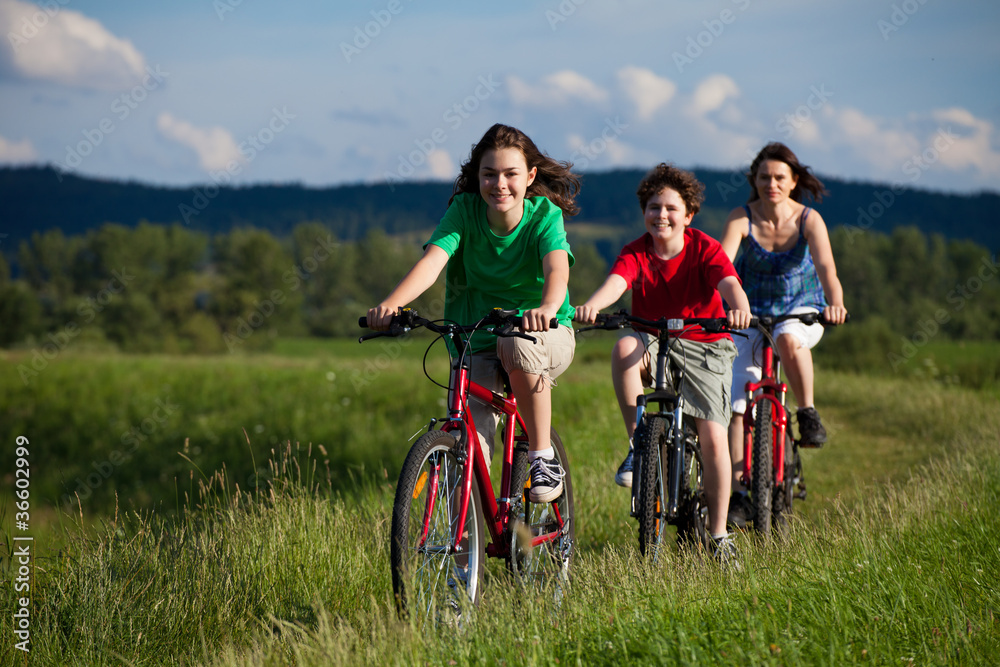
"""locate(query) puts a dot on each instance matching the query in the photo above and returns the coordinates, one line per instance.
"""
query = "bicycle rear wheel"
(692, 525)
(542, 534)
(650, 442)
(761, 468)
(431, 580)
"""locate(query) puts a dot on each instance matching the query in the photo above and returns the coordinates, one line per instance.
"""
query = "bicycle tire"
(548, 564)
(761, 468)
(650, 439)
(429, 580)
(693, 531)
(784, 493)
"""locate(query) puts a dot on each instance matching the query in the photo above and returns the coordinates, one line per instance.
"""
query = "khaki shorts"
(549, 357)
(708, 374)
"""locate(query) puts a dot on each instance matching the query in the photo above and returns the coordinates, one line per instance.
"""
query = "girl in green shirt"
(504, 245)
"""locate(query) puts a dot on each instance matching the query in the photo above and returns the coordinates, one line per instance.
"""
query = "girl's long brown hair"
(782, 153)
(554, 179)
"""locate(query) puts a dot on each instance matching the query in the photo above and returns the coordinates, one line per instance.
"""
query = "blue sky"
(323, 93)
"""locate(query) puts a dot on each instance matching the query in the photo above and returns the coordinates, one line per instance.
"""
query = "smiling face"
(775, 181)
(666, 216)
(504, 178)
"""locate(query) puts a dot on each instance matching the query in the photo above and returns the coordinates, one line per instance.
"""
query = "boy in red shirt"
(675, 272)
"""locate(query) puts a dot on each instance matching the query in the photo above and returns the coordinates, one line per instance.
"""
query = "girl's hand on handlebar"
(537, 319)
(380, 317)
(739, 319)
(835, 314)
(586, 314)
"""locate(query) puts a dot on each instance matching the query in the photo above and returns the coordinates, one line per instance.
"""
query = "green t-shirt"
(487, 271)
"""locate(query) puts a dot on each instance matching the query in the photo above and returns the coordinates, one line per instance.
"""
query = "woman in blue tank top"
(786, 267)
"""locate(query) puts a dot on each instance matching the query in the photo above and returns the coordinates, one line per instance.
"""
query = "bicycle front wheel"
(650, 441)
(761, 467)
(542, 534)
(432, 580)
(781, 505)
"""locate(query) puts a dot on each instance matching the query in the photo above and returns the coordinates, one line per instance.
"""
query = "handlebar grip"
(363, 322)
(754, 322)
(553, 323)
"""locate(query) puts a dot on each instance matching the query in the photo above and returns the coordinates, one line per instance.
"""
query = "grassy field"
(283, 558)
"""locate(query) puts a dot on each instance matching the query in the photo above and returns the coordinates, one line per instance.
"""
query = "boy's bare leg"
(714, 440)
(736, 450)
(626, 375)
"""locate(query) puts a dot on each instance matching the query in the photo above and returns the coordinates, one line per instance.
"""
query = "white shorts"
(749, 353)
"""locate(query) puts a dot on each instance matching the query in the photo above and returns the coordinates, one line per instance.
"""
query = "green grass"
(893, 559)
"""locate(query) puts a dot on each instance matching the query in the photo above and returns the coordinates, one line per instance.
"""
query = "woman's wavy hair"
(554, 179)
(665, 175)
(782, 153)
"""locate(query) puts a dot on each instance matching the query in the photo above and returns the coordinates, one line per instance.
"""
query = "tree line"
(157, 288)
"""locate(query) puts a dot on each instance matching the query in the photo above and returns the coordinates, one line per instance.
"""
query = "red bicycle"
(772, 467)
(445, 501)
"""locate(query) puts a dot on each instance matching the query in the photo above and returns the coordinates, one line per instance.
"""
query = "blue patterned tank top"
(777, 282)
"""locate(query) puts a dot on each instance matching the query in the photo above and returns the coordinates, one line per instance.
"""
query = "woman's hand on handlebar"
(739, 319)
(380, 317)
(835, 314)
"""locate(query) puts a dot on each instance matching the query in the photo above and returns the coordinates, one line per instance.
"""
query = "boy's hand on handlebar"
(537, 319)
(739, 319)
(835, 314)
(586, 314)
(380, 317)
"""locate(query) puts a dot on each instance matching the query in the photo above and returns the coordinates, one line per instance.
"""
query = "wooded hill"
(34, 199)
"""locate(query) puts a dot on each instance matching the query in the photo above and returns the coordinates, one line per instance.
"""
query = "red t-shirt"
(683, 286)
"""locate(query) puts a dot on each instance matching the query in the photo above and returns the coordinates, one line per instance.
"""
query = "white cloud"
(556, 89)
(52, 43)
(16, 153)
(646, 90)
(970, 145)
(713, 92)
(215, 146)
(440, 164)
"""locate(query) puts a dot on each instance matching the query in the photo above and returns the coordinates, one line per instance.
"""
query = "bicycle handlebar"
(619, 320)
(502, 321)
(805, 318)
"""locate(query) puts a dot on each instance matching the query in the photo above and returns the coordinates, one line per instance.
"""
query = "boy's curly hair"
(683, 182)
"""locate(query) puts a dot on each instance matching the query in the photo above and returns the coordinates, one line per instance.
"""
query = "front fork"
(779, 426)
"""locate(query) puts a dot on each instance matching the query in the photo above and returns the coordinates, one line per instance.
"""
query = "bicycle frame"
(497, 511)
(773, 391)
(664, 394)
